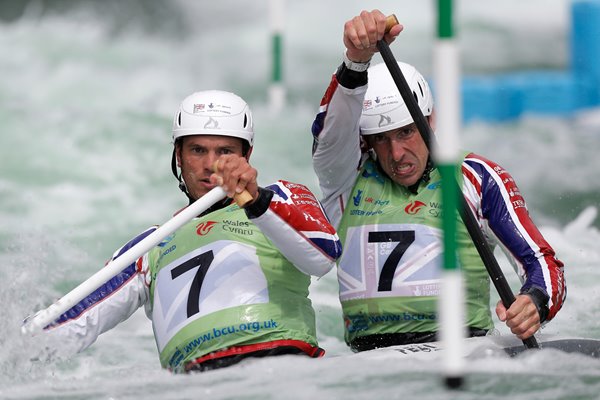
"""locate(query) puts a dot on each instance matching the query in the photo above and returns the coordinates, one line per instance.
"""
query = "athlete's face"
(401, 152)
(196, 156)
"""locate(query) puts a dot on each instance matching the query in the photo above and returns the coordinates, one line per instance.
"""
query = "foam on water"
(86, 108)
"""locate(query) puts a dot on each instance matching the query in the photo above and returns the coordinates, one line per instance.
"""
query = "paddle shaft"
(46, 316)
(484, 250)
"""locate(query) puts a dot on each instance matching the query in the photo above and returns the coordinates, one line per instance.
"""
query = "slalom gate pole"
(485, 252)
(276, 88)
(451, 308)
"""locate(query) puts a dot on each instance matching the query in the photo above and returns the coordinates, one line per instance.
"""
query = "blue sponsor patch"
(434, 185)
(356, 199)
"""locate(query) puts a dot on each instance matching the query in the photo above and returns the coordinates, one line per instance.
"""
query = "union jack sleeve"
(113, 302)
(493, 193)
(297, 225)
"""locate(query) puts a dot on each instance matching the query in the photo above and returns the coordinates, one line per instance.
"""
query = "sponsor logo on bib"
(204, 227)
(414, 207)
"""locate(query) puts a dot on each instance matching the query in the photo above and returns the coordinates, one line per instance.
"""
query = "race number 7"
(202, 261)
(404, 239)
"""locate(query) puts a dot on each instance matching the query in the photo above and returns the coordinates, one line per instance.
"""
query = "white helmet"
(214, 112)
(383, 107)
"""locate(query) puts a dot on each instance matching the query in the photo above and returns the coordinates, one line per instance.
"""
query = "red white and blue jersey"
(490, 190)
(493, 193)
(292, 220)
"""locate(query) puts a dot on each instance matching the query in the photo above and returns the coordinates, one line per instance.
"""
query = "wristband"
(540, 299)
(356, 66)
(260, 205)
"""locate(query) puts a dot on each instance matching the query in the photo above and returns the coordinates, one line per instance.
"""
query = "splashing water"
(87, 102)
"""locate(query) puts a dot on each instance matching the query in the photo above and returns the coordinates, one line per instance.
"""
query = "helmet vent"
(421, 88)
(179, 119)
(245, 120)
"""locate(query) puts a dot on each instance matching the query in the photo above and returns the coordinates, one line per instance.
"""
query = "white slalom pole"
(276, 88)
(35, 323)
(451, 300)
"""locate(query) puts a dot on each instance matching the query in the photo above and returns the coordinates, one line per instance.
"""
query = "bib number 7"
(221, 275)
(202, 261)
(404, 239)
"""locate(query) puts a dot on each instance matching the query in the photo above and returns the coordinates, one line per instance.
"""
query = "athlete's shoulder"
(135, 240)
(477, 168)
(288, 191)
(478, 161)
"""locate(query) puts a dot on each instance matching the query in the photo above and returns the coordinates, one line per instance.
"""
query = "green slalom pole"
(446, 151)
(479, 241)
(449, 116)
(447, 74)
(276, 88)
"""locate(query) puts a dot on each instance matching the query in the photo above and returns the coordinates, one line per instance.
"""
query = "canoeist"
(233, 282)
(382, 193)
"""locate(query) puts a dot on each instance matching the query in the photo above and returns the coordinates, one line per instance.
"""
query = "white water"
(86, 102)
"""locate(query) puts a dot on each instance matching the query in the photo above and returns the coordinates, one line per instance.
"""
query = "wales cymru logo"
(414, 207)
(204, 227)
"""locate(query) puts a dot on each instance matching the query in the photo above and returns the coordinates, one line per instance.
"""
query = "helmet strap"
(177, 175)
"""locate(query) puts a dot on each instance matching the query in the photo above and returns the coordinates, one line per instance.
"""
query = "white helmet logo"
(384, 120)
(214, 112)
(211, 124)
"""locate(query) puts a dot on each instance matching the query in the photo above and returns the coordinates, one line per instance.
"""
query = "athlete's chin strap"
(178, 175)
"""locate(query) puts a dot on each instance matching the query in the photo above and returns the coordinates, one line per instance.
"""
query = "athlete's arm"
(112, 303)
(493, 192)
(292, 218)
(336, 140)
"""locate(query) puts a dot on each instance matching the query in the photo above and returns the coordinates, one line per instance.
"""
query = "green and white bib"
(390, 269)
(218, 282)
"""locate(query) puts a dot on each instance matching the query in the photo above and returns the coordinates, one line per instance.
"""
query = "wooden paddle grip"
(390, 21)
(240, 198)
(243, 198)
